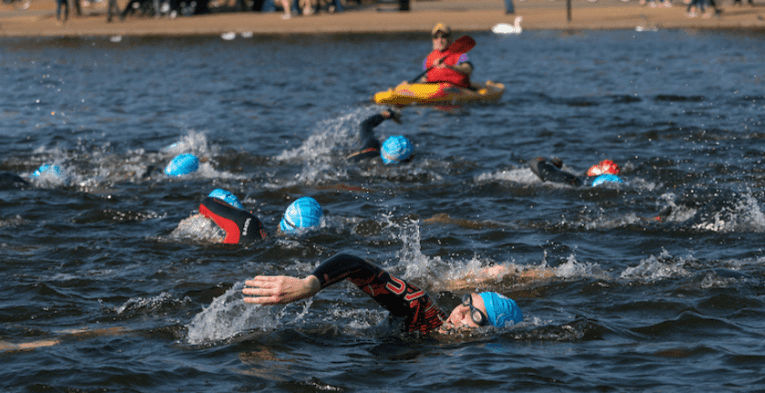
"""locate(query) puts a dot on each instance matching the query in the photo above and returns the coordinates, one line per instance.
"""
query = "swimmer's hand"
(269, 290)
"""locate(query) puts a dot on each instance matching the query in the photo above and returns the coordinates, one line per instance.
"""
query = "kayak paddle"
(462, 45)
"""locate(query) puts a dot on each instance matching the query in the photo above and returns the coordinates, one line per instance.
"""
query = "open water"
(131, 298)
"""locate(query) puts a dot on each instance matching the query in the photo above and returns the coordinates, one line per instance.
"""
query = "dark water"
(101, 265)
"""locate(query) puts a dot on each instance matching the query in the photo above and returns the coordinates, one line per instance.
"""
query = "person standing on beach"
(113, 9)
(59, 4)
(454, 68)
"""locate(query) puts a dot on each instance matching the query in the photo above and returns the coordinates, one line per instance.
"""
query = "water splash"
(198, 228)
(228, 316)
(657, 268)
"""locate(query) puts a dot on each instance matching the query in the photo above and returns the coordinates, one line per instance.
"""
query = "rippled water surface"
(101, 269)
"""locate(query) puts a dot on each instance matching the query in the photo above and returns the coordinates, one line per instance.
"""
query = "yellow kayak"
(439, 93)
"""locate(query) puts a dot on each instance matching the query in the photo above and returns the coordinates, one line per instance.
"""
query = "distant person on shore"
(65, 5)
(395, 150)
(550, 169)
(112, 9)
(454, 68)
(414, 308)
(509, 7)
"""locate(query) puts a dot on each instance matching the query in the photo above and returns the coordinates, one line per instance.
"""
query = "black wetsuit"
(549, 170)
(240, 225)
(419, 311)
(370, 146)
(11, 180)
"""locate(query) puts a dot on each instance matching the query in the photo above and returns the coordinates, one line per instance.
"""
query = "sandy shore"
(463, 15)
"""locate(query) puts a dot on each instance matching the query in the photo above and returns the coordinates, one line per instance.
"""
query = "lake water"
(100, 265)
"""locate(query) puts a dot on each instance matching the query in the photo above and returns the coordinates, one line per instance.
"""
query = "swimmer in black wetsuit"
(549, 169)
(419, 311)
(396, 149)
(8, 180)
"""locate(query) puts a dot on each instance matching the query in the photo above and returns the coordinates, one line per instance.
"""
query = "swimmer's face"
(441, 41)
(463, 317)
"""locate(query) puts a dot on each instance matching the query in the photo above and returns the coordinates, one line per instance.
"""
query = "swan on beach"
(504, 28)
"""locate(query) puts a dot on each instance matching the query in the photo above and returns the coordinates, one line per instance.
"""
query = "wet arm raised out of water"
(495, 273)
(400, 298)
(370, 145)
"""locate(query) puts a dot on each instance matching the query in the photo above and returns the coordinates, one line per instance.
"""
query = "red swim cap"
(605, 167)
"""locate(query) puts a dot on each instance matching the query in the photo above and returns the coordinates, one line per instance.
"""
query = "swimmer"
(229, 215)
(419, 311)
(8, 180)
(241, 226)
(396, 149)
(304, 213)
(180, 165)
(549, 169)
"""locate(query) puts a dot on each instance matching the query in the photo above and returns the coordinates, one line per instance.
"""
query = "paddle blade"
(462, 45)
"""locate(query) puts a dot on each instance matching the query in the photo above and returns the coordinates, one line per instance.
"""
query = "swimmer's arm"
(269, 290)
(495, 273)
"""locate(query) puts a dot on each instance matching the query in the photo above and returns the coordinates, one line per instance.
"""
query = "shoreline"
(465, 16)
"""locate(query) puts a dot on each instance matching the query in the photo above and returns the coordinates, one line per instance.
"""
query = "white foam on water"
(745, 216)
(659, 268)
(198, 228)
(323, 153)
(150, 303)
(518, 175)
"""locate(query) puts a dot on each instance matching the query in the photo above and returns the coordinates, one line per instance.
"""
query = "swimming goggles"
(475, 314)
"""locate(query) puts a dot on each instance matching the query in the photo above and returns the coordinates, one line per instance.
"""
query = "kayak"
(439, 93)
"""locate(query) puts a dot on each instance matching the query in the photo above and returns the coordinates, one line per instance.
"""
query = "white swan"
(504, 28)
(228, 36)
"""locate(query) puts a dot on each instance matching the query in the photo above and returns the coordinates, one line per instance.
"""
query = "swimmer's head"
(49, 170)
(606, 179)
(227, 197)
(396, 149)
(605, 167)
(303, 213)
(182, 164)
(500, 309)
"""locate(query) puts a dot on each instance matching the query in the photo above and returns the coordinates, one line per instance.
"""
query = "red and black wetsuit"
(240, 225)
(419, 311)
(370, 146)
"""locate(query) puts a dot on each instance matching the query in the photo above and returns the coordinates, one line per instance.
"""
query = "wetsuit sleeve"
(240, 225)
(9, 180)
(546, 171)
(400, 298)
(370, 146)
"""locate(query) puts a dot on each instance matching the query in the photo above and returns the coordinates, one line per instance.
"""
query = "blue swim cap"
(48, 170)
(303, 213)
(227, 197)
(606, 179)
(500, 309)
(396, 149)
(182, 164)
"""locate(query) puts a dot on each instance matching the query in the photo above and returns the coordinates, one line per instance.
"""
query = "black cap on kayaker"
(446, 30)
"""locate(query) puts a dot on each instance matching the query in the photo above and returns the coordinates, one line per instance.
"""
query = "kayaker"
(416, 309)
(549, 169)
(396, 149)
(454, 68)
